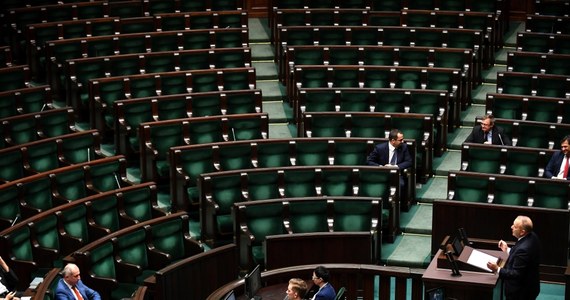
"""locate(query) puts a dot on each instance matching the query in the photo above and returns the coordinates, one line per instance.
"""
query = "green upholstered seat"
(469, 188)
(9, 205)
(308, 216)
(551, 194)
(272, 155)
(336, 182)
(262, 185)
(311, 154)
(300, 183)
(352, 215)
(509, 192)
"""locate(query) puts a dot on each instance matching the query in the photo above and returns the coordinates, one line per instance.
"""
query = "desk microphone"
(500, 139)
(15, 220)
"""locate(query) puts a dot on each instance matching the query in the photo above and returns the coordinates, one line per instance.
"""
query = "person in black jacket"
(8, 281)
(487, 133)
(520, 274)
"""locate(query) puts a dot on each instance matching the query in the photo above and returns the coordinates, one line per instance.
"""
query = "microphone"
(501, 139)
(15, 220)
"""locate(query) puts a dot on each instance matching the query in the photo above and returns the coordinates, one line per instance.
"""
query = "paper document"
(480, 259)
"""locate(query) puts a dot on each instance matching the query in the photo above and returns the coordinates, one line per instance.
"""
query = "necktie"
(393, 160)
(77, 294)
(566, 167)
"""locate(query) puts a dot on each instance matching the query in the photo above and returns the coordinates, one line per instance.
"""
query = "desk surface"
(440, 275)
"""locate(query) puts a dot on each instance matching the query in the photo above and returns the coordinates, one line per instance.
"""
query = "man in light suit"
(520, 274)
(70, 286)
(556, 167)
(321, 277)
(487, 133)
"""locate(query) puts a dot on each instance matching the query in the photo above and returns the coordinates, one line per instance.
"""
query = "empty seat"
(157, 137)
(25, 100)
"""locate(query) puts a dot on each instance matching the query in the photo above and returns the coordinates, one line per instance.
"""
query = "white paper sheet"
(480, 259)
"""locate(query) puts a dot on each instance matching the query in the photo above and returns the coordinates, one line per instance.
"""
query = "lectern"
(474, 283)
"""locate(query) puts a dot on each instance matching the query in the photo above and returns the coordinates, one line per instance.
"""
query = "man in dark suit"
(325, 290)
(557, 167)
(487, 133)
(8, 280)
(392, 153)
(70, 286)
(520, 274)
(382, 155)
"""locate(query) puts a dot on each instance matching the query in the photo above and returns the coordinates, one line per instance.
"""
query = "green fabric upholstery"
(71, 184)
(352, 215)
(9, 205)
(263, 185)
(311, 153)
(168, 237)
(350, 153)
(43, 156)
(551, 194)
(272, 155)
(11, 165)
(74, 222)
(308, 216)
(105, 213)
(471, 189)
(37, 194)
(336, 182)
(483, 160)
(300, 184)
(510, 192)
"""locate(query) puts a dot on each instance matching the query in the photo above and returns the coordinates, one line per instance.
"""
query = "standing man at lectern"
(521, 274)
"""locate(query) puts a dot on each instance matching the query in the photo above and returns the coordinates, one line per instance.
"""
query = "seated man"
(8, 281)
(488, 133)
(392, 153)
(70, 286)
(557, 167)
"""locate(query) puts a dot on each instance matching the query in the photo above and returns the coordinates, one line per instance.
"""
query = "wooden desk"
(471, 285)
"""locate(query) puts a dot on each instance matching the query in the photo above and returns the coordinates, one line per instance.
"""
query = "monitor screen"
(230, 296)
(436, 294)
(457, 246)
(253, 282)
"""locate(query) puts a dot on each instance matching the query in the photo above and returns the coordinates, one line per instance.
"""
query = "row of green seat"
(528, 108)
(533, 134)
(381, 35)
(15, 77)
(42, 240)
(37, 35)
(220, 190)
(492, 6)
(6, 59)
(431, 102)
(418, 127)
(188, 162)
(31, 127)
(482, 21)
(33, 194)
(553, 8)
(79, 71)
(535, 62)
(156, 138)
(57, 52)
(547, 23)
(47, 154)
(461, 59)
(117, 264)
(129, 114)
(508, 160)
(256, 220)
(103, 92)
(533, 84)
(402, 77)
(19, 18)
(25, 100)
(508, 190)
(543, 42)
